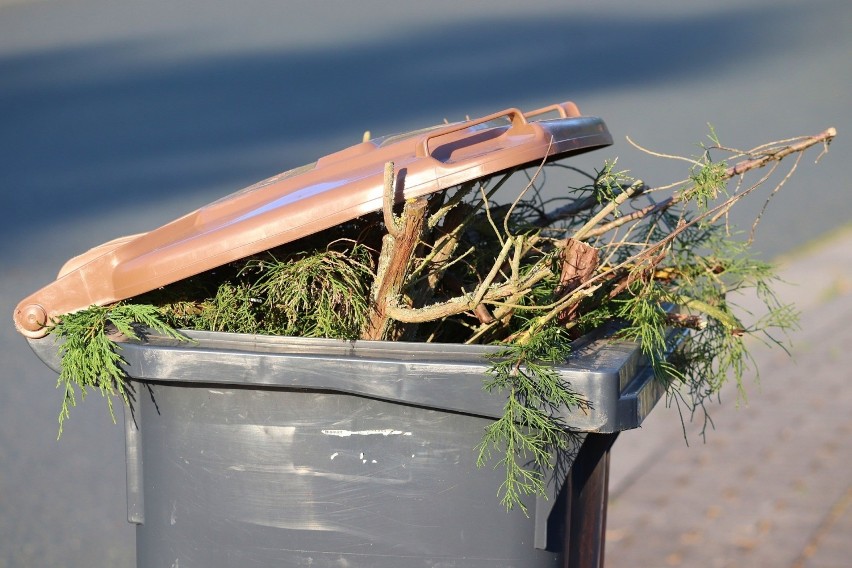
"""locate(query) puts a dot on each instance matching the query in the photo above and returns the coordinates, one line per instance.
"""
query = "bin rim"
(610, 373)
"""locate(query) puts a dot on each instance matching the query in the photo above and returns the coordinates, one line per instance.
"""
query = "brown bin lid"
(335, 189)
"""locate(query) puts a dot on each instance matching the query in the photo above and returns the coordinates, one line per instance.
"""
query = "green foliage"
(320, 293)
(609, 183)
(323, 294)
(643, 309)
(528, 435)
(705, 286)
(231, 309)
(709, 181)
(708, 177)
(89, 357)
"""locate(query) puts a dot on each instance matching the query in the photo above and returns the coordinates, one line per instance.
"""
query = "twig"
(661, 155)
(392, 223)
(489, 217)
(464, 303)
(824, 137)
(526, 188)
(634, 189)
(587, 232)
(567, 211)
(455, 200)
(770, 196)
(624, 219)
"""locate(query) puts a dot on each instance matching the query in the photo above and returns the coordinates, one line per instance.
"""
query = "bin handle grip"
(565, 110)
(519, 126)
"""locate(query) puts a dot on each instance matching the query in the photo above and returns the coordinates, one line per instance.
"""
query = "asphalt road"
(116, 117)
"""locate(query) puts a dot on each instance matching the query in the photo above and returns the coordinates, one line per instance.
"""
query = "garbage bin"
(247, 450)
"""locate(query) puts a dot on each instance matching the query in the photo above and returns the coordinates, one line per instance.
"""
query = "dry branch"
(769, 155)
(616, 277)
(398, 247)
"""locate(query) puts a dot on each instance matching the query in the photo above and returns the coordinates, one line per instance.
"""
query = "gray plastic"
(270, 451)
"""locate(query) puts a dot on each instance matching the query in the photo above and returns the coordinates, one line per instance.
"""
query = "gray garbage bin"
(271, 451)
(248, 451)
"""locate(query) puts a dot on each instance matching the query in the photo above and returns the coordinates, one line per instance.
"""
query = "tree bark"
(394, 261)
(579, 263)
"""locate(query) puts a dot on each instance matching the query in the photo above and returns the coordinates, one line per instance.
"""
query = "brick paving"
(772, 485)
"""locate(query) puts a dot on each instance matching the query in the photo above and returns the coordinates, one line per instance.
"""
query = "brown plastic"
(337, 188)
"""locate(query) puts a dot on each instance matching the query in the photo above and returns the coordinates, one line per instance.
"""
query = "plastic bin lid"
(337, 188)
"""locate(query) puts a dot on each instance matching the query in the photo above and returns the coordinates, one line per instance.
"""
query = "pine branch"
(89, 356)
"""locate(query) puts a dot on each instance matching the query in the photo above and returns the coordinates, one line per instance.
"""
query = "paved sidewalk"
(773, 484)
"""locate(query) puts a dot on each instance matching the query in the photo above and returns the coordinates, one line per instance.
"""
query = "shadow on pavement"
(88, 130)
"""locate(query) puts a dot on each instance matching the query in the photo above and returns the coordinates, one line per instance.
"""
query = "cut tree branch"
(398, 247)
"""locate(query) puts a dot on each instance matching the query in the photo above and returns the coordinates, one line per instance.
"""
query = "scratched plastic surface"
(251, 478)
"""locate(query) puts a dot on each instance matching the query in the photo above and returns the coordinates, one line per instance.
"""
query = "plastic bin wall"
(267, 451)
